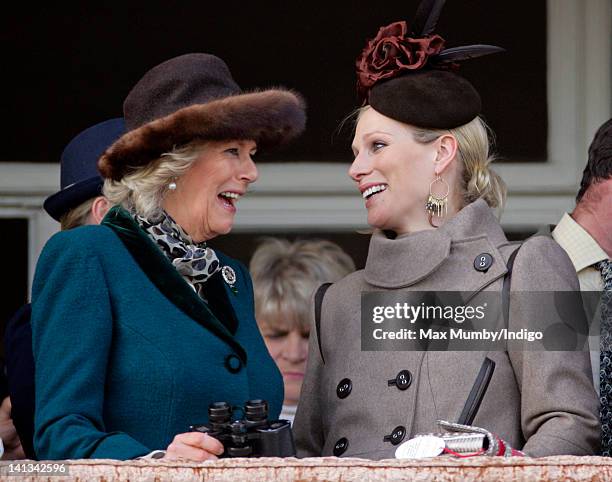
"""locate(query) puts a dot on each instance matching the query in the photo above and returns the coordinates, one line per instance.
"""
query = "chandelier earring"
(437, 204)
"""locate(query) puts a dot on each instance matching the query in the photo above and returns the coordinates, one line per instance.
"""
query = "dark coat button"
(396, 436)
(341, 446)
(402, 380)
(344, 388)
(483, 262)
(233, 363)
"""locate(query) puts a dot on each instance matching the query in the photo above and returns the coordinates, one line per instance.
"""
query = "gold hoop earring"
(437, 205)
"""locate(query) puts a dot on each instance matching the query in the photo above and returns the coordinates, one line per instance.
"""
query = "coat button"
(396, 436)
(402, 380)
(233, 363)
(344, 388)
(341, 446)
(483, 262)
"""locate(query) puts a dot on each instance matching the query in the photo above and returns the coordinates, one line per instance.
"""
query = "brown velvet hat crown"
(195, 97)
(409, 76)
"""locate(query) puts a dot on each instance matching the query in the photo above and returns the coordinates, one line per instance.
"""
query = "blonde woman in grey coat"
(422, 167)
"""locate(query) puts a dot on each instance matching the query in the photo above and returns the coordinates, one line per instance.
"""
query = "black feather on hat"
(409, 76)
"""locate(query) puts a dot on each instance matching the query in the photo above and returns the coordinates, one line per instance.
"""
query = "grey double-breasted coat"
(541, 402)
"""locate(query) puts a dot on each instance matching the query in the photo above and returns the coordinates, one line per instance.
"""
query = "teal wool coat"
(126, 354)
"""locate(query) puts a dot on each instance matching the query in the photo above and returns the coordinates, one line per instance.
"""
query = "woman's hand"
(196, 446)
(8, 434)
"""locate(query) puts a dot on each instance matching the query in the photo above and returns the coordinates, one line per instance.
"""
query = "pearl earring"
(172, 186)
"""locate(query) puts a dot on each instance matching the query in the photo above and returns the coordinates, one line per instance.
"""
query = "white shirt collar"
(580, 246)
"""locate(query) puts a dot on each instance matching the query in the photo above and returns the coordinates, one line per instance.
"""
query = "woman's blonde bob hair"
(142, 190)
(285, 275)
(474, 153)
(77, 216)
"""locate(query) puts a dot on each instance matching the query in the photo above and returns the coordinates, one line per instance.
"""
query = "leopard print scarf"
(195, 262)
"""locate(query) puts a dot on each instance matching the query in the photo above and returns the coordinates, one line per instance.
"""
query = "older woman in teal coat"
(137, 324)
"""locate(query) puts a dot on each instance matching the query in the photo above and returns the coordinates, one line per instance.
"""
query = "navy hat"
(79, 177)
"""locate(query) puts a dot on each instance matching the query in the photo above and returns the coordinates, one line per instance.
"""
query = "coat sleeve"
(308, 423)
(72, 329)
(559, 406)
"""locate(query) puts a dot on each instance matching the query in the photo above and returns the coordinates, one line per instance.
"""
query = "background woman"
(285, 275)
(138, 325)
(422, 167)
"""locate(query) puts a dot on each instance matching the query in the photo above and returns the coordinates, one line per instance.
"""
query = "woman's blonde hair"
(142, 190)
(285, 275)
(77, 216)
(474, 141)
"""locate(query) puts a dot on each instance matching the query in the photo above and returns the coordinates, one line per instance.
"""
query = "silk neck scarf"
(195, 262)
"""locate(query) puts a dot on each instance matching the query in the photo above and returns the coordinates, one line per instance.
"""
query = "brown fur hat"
(194, 97)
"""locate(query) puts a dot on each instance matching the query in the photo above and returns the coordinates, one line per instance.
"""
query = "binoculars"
(252, 435)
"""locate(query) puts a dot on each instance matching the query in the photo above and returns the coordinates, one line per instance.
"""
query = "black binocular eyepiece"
(219, 413)
(252, 435)
(256, 410)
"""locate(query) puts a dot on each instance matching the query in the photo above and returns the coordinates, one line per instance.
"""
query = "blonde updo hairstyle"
(475, 155)
(143, 189)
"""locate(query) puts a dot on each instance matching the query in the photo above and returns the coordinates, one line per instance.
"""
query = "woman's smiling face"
(392, 170)
(204, 201)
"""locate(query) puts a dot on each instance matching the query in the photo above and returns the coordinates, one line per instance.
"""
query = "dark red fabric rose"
(390, 53)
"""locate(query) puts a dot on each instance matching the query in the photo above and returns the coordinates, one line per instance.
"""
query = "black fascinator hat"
(407, 74)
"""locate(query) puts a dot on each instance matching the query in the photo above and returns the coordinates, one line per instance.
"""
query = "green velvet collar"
(162, 274)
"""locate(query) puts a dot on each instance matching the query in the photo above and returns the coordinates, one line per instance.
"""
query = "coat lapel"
(419, 259)
(165, 277)
(404, 261)
(221, 299)
(234, 308)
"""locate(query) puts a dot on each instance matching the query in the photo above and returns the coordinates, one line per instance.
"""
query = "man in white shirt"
(586, 236)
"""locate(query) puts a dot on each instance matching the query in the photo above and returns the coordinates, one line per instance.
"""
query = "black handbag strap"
(506, 285)
(318, 303)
